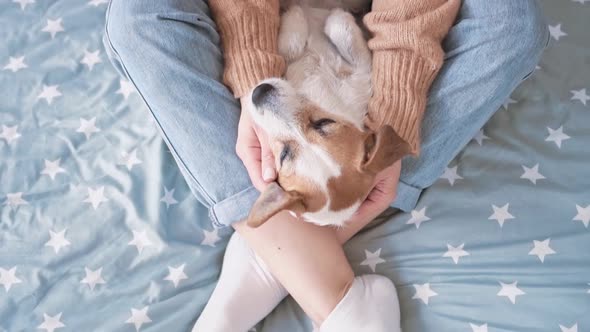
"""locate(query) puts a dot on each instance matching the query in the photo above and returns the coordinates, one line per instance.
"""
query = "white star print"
(511, 291)
(91, 58)
(140, 240)
(418, 217)
(138, 317)
(88, 127)
(153, 292)
(577, 95)
(92, 278)
(423, 292)
(95, 197)
(532, 174)
(57, 240)
(583, 215)
(50, 324)
(53, 27)
(479, 328)
(52, 168)
(372, 259)
(557, 136)
(508, 102)
(455, 252)
(96, 3)
(49, 93)
(9, 134)
(480, 137)
(501, 214)
(168, 197)
(210, 238)
(555, 31)
(15, 64)
(8, 278)
(129, 159)
(126, 88)
(15, 199)
(23, 3)
(574, 328)
(175, 274)
(451, 175)
(542, 249)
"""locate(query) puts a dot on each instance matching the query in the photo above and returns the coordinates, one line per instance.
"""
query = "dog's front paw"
(293, 34)
(339, 26)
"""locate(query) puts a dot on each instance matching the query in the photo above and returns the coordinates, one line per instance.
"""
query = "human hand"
(380, 197)
(253, 149)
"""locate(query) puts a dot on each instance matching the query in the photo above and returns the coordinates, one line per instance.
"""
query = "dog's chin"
(327, 217)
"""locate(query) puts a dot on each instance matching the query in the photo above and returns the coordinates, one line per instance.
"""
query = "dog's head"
(326, 164)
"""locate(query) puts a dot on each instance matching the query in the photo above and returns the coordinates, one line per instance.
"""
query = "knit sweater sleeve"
(249, 31)
(407, 55)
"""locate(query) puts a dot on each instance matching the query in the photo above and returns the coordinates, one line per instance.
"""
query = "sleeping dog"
(325, 155)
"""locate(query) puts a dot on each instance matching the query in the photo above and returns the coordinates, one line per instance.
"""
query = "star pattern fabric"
(511, 291)
(51, 323)
(501, 214)
(580, 95)
(557, 136)
(16, 64)
(532, 174)
(95, 213)
(52, 168)
(168, 198)
(8, 278)
(90, 59)
(9, 134)
(57, 240)
(23, 3)
(176, 274)
(542, 249)
(53, 27)
(139, 317)
(92, 278)
(424, 293)
(49, 93)
(451, 175)
(456, 252)
(418, 217)
(373, 259)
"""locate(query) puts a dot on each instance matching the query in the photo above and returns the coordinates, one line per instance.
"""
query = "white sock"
(245, 293)
(371, 304)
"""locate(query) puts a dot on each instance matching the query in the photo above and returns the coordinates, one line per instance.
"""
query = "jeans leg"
(491, 48)
(170, 51)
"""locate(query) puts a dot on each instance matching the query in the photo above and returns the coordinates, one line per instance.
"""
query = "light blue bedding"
(99, 232)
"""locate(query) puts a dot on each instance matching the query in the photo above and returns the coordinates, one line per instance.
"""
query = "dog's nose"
(261, 94)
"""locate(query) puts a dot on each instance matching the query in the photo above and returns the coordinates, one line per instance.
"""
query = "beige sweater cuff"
(400, 100)
(407, 55)
(250, 50)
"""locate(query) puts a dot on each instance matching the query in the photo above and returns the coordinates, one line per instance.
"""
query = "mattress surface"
(99, 231)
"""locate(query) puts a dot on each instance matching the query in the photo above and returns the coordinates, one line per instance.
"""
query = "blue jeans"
(170, 50)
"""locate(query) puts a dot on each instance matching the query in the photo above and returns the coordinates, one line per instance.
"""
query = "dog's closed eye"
(320, 124)
(286, 152)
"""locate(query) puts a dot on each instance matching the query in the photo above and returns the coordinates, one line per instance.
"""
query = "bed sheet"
(99, 231)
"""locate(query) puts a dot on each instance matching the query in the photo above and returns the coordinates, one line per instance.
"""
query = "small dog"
(326, 157)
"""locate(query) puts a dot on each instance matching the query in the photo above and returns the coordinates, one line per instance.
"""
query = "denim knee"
(529, 32)
(129, 22)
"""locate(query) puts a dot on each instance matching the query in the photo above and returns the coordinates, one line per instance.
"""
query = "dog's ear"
(382, 149)
(273, 200)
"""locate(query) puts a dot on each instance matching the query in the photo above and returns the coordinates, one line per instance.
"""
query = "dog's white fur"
(329, 63)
